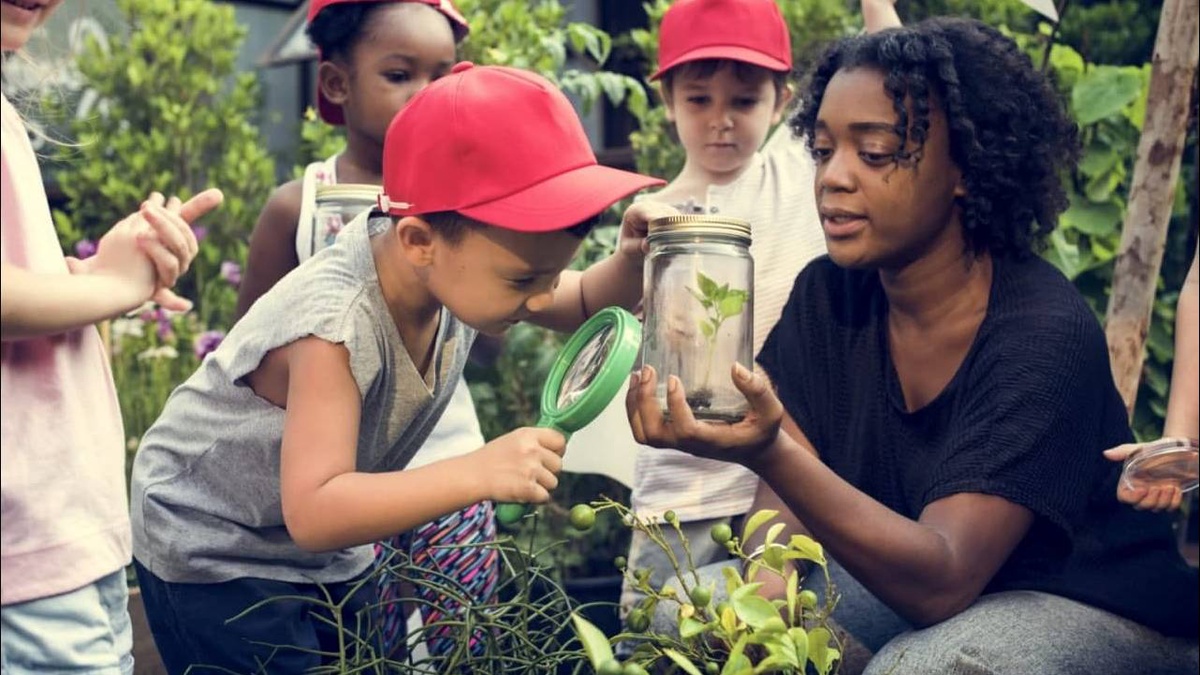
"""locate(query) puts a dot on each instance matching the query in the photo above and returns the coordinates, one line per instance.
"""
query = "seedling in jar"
(720, 302)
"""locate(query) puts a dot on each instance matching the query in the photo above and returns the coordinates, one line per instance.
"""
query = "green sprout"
(720, 302)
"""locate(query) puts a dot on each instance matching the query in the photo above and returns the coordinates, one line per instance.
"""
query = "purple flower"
(163, 321)
(85, 248)
(200, 232)
(231, 272)
(207, 342)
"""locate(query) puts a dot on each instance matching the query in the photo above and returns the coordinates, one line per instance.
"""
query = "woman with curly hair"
(942, 394)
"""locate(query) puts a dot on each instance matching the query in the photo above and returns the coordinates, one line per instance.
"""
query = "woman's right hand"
(743, 442)
(521, 466)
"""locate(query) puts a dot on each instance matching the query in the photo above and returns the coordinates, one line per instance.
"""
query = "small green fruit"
(582, 517)
(637, 621)
(721, 533)
(670, 517)
(620, 562)
(700, 596)
(808, 599)
(711, 668)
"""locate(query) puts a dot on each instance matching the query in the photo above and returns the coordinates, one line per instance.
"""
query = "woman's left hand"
(1164, 497)
(743, 442)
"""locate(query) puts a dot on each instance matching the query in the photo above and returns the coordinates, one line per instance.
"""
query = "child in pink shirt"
(65, 535)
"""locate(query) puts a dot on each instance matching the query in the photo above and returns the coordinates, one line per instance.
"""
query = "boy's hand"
(522, 465)
(635, 224)
(742, 442)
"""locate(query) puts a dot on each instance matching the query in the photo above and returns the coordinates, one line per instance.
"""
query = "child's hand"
(742, 442)
(158, 239)
(634, 226)
(1166, 497)
(522, 465)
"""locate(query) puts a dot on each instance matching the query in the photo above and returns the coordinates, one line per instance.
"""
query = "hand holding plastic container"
(699, 310)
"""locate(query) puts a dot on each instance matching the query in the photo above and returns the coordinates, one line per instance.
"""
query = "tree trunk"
(1151, 195)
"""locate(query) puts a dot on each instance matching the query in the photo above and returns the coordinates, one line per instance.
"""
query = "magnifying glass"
(590, 370)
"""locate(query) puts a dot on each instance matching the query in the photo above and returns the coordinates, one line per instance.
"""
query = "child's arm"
(1183, 406)
(272, 245)
(616, 280)
(137, 260)
(328, 504)
(879, 15)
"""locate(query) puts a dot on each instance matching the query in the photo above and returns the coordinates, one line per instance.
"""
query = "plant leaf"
(595, 643)
(707, 286)
(820, 653)
(756, 521)
(682, 661)
(690, 628)
(807, 549)
(732, 304)
(754, 610)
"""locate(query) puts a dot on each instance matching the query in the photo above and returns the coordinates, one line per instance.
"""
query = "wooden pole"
(1135, 278)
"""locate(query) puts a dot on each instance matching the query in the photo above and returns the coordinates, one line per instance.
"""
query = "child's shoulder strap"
(317, 173)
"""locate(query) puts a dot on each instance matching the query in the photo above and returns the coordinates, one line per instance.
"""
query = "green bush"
(173, 117)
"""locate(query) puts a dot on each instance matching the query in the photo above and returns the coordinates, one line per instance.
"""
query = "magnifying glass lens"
(587, 364)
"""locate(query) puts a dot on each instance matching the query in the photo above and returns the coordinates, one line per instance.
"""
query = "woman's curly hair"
(1009, 132)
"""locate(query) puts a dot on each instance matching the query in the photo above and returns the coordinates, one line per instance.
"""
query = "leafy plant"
(172, 116)
(746, 633)
(720, 303)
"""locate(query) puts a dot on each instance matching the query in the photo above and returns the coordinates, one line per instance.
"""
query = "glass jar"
(337, 205)
(699, 310)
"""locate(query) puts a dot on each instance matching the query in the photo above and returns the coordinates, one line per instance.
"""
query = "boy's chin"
(495, 329)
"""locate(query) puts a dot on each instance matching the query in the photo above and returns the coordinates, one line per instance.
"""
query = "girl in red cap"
(374, 56)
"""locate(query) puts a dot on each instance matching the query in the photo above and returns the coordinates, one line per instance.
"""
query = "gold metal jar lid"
(699, 225)
(349, 192)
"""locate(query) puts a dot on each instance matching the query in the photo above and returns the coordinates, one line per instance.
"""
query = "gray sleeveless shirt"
(205, 499)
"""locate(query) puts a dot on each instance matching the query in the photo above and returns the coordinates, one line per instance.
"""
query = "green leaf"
(736, 662)
(756, 521)
(682, 661)
(820, 654)
(806, 548)
(690, 627)
(1104, 91)
(799, 643)
(1095, 219)
(708, 287)
(708, 329)
(773, 533)
(595, 643)
(754, 610)
(1063, 254)
(732, 304)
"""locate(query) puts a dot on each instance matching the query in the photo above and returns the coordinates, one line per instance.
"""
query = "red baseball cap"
(332, 113)
(751, 31)
(499, 145)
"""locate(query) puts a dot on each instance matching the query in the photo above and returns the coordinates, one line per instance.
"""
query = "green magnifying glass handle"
(589, 371)
(509, 513)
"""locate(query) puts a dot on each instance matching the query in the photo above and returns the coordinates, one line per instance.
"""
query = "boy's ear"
(785, 99)
(334, 82)
(416, 239)
(668, 102)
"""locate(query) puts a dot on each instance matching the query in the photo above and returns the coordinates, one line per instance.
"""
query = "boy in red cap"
(374, 56)
(723, 75)
(278, 463)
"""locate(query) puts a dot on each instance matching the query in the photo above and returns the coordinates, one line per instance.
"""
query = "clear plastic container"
(699, 310)
(1170, 461)
(337, 205)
